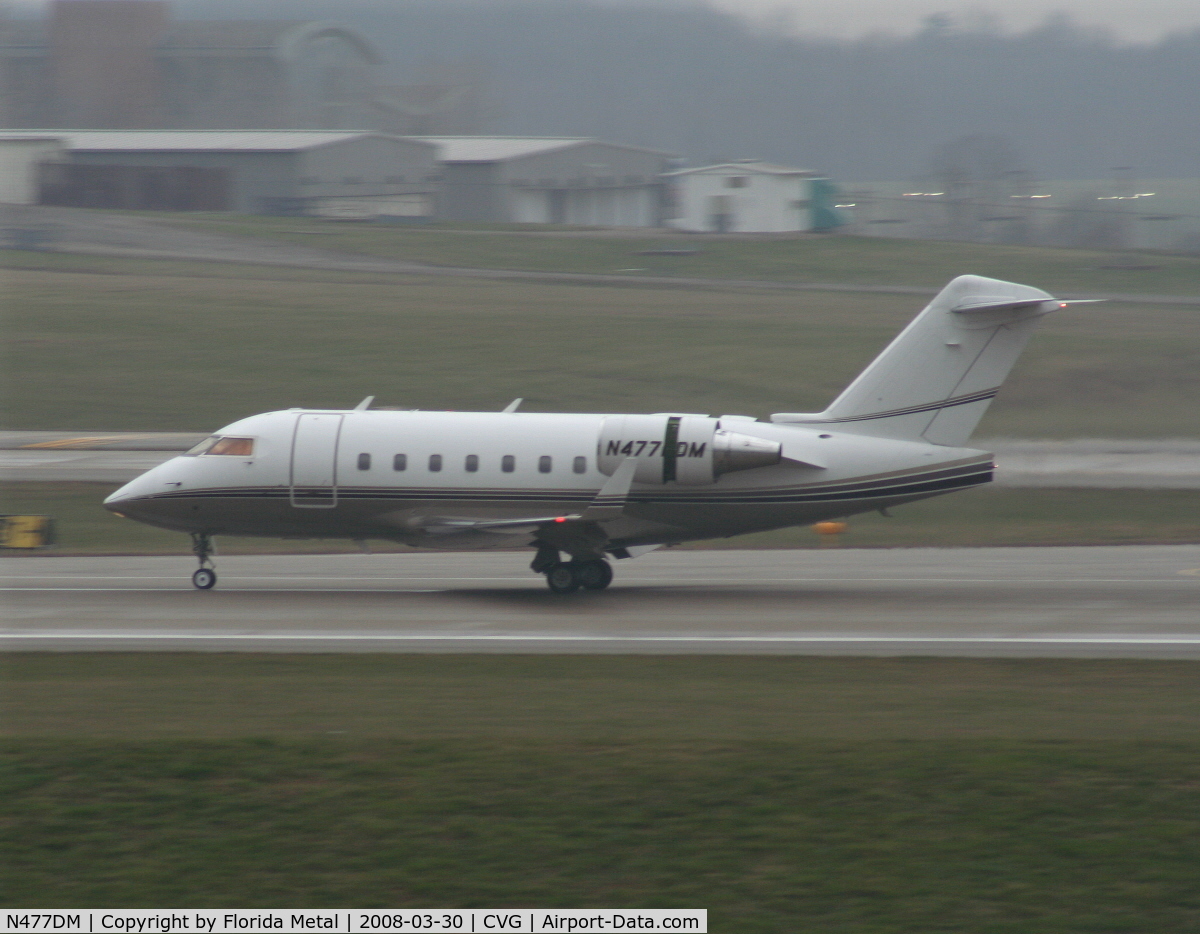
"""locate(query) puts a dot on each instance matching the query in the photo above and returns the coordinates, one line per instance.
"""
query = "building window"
(737, 181)
(545, 463)
(579, 465)
(364, 461)
(400, 462)
(508, 463)
(435, 463)
(472, 463)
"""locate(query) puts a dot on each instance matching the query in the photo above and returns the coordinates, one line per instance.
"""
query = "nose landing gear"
(206, 575)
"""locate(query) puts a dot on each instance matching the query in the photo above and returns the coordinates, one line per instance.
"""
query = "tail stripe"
(979, 396)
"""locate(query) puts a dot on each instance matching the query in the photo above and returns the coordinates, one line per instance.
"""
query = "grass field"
(988, 516)
(784, 794)
(97, 343)
(805, 258)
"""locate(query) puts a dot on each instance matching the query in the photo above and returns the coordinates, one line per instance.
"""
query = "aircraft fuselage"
(437, 479)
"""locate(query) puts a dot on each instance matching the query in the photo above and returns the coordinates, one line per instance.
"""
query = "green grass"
(783, 794)
(987, 516)
(96, 343)
(801, 258)
(113, 696)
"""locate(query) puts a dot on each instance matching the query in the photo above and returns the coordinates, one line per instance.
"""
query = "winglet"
(512, 406)
(610, 501)
(365, 404)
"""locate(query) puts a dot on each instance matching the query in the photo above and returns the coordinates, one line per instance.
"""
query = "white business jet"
(593, 486)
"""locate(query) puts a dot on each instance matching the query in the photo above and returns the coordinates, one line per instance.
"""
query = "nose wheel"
(202, 547)
(204, 579)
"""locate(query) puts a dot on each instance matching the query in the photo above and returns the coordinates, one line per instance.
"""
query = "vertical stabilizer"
(936, 379)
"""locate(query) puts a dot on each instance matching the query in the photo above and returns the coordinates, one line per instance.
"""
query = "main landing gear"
(206, 575)
(570, 576)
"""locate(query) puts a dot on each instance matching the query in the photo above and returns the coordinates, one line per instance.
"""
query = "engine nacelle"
(692, 450)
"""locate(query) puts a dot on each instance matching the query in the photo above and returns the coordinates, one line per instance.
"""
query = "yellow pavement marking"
(83, 442)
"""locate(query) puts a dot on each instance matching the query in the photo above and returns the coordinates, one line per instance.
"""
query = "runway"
(1130, 601)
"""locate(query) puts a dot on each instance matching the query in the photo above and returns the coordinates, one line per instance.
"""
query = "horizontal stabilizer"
(980, 305)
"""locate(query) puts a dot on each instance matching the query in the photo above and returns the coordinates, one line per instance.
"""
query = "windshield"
(237, 447)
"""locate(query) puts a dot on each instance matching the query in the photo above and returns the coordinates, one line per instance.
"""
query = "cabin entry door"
(314, 460)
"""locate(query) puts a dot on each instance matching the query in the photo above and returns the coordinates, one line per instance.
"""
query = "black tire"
(594, 575)
(204, 579)
(562, 578)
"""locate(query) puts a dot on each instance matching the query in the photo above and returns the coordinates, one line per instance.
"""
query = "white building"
(21, 155)
(540, 180)
(752, 197)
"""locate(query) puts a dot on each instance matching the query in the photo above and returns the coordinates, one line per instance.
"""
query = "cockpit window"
(202, 447)
(236, 447)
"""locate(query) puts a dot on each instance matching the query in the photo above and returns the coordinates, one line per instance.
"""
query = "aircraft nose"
(134, 498)
(117, 497)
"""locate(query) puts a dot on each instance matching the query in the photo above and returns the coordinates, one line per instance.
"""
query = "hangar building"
(752, 197)
(325, 173)
(535, 180)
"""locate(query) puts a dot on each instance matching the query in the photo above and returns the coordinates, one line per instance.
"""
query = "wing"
(609, 503)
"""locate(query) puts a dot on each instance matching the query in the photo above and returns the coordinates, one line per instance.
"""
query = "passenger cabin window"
(545, 463)
(364, 461)
(508, 463)
(400, 462)
(234, 447)
(435, 462)
(472, 463)
(579, 465)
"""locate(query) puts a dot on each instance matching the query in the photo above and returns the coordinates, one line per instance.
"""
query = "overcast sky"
(1129, 20)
